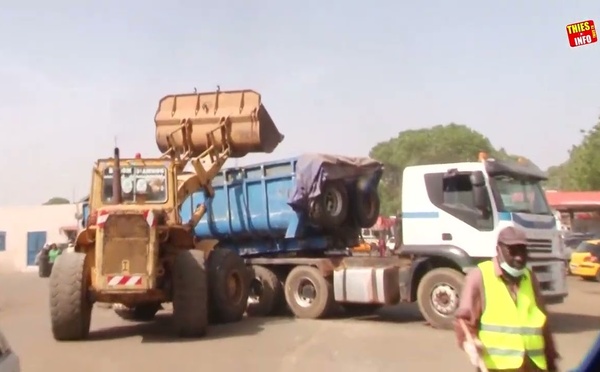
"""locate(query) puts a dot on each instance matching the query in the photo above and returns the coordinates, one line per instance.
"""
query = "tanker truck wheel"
(229, 283)
(330, 208)
(190, 294)
(70, 307)
(308, 294)
(266, 293)
(438, 296)
(366, 207)
(140, 313)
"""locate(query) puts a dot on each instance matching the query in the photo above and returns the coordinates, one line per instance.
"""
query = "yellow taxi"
(585, 260)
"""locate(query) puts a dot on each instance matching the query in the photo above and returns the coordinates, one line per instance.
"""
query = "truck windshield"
(520, 195)
(139, 184)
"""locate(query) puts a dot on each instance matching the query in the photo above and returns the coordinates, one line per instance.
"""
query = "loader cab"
(146, 183)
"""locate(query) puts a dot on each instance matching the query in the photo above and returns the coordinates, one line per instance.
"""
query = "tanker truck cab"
(451, 217)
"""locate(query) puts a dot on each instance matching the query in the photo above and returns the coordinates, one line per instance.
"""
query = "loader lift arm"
(206, 129)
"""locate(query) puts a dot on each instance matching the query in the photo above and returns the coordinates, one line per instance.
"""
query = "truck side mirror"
(477, 179)
(481, 195)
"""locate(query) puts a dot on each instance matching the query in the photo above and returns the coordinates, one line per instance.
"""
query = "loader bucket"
(251, 126)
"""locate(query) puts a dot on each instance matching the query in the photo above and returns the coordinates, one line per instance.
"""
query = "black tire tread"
(220, 263)
(318, 213)
(367, 214)
(272, 295)
(70, 308)
(190, 294)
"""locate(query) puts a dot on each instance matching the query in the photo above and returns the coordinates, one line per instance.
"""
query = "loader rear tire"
(139, 313)
(267, 297)
(70, 306)
(308, 294)
(229, 283)
(190, 294)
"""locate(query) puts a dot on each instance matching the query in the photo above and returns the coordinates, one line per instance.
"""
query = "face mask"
(515, 273)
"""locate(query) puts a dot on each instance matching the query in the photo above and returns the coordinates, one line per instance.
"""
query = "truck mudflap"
(250, 128)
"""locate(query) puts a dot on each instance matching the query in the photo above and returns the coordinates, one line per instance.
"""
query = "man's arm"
(470, 308)
(550, 347)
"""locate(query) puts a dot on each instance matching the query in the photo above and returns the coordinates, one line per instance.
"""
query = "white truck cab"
(451, 217)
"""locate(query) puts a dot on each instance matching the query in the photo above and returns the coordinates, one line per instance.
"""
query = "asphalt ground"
(394, 339)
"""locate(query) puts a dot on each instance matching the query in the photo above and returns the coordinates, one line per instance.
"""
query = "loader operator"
(501, 307)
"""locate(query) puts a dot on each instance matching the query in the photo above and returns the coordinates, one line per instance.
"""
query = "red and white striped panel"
(103, 216)
(125, 280)
(149, 216)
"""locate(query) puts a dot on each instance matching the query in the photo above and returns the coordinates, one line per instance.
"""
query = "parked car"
(585, 260)
(9, 361)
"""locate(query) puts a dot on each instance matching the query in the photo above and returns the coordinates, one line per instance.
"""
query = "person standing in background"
(53, 253)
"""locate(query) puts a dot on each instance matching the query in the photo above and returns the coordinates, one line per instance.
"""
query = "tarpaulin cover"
(312, 170)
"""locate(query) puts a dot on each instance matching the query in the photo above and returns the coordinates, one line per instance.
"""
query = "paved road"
(396, 339)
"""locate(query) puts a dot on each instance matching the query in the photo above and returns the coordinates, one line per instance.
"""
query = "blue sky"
(336, 76)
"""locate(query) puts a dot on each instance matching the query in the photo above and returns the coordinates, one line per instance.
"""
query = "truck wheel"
(330, 209)
(308, 294)
(266, 293)
(190, 294)
(438, 296)
(229, 285)
(361, 309)
(366, 207)
(142, 312)
(70, 307)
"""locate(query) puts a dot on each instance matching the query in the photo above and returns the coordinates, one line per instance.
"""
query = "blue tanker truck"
(292, 221)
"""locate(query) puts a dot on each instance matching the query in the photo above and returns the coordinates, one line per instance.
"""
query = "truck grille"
(539, 245)
(126, 238)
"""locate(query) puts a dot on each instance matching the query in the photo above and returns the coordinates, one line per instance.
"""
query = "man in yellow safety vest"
(502, 309)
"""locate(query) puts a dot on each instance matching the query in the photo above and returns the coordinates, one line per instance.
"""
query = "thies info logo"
(582, 33)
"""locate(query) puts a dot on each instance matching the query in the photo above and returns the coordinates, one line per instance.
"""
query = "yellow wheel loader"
(134, 250)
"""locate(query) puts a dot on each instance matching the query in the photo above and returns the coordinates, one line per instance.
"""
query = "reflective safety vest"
(510, 330)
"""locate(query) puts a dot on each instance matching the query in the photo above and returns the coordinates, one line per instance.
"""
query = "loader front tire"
(229, 283)
(190, 294)
(70, 307)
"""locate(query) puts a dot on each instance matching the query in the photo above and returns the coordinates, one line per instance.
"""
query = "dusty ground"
(396, 339)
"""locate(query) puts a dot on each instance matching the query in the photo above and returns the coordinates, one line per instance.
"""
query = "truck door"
(462, 223)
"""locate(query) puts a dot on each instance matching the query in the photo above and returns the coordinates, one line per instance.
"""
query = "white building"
(25, 230)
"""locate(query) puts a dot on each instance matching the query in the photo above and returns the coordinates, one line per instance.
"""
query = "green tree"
(439, 144)
(57, 200)
(583, 170)
(558, 177)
